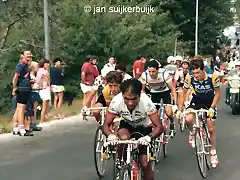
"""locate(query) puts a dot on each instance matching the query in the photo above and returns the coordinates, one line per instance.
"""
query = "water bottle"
(135, 170)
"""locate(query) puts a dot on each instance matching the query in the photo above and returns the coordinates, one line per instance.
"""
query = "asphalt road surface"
(64, 151)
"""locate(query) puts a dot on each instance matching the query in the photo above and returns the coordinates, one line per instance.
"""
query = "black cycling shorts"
(156, 97)
(23, 97)
(199, 106)
(134, 131)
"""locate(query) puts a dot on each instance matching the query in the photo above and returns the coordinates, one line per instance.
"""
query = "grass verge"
(74, 109)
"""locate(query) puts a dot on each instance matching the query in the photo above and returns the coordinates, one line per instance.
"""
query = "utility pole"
(196, 30)
(46, 30)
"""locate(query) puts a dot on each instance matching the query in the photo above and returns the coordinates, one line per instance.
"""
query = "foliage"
(214, 16)
(75, 33)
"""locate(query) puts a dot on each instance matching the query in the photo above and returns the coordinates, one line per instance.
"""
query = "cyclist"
(180, 77)
(123, 70)
(171, 68)
(206, 94)
(137, 112)
(112, 88)
(178, 61)
(158, 83)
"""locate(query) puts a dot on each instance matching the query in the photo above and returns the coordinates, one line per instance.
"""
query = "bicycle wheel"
(164, 145)
(207, 145)
(117, 168)
(182, 125)
(125, 173)
(98, 150)
(200, 154)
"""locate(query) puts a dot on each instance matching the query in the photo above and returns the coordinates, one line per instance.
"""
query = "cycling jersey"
(160, 84)
(139, 116)
(107, 94)
(203, 91)
(180, 77)
(171, 68)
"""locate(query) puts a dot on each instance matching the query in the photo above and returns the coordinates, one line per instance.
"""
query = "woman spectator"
(88, 74)
(57, 85)
(43, 79)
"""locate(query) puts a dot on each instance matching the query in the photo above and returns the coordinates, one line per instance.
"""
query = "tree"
(214, 16)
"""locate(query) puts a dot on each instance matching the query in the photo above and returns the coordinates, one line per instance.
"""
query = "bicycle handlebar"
(134, 142)
(194, 111)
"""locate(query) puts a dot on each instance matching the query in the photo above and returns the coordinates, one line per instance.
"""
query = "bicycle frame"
(198, 113)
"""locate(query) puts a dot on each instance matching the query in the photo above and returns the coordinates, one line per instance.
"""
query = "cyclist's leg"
(212, 131)
(124, 133)
(179, 94)
(166, 96)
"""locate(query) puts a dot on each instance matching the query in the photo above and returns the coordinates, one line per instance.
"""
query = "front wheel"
(100, 163)
(200, 154)
(125, 173)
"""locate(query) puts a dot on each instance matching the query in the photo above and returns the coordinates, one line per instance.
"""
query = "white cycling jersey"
(171, 68)
(160, 84)
(179, 75)
(139, 116)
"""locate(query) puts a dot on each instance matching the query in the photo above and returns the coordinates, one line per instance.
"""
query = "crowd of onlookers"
(33, 83)
(92, 81)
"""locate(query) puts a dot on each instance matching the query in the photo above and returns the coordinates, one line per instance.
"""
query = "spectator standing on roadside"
(21, 89)
(34, 95)
(57, 84)
(43, 79)
(138, 67)
(88, 74)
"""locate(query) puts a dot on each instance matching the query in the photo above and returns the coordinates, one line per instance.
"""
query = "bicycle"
(202, 140)
(99, 140)
(129, 167)
(160, 143)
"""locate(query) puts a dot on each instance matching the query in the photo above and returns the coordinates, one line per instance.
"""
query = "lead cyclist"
(137, 112)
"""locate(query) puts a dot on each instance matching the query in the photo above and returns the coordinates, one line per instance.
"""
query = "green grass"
(6, 120)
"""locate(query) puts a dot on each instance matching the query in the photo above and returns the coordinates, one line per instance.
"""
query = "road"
(64, 151)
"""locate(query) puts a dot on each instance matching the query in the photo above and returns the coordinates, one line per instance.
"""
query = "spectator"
(138, 67)
(111, 63)
(43, 79)
(34, 95)
(88, 74)
(57, 85)
(122, 69)
(21, 89)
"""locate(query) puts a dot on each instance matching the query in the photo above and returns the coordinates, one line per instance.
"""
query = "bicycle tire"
(116, 170)
(125, 173)
(199, 144)
(207, 147)
(164, 146)
(182, 125)
(98, 139)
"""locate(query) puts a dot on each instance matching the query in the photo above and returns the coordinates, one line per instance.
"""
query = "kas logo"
(203, 87)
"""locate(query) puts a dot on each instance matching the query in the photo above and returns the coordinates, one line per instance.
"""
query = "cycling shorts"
(134, 131)
(199, 106)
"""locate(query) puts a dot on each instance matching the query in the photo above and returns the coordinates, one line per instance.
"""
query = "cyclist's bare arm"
(216, 97)
(108, 121)
(157, 124)
(172, 86)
